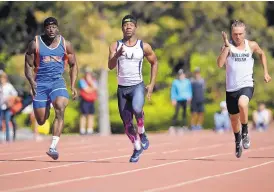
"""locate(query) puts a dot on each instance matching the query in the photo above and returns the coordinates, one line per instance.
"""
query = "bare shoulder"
(253, 44)
(32, 43)
(147, 45)
(31, 47)
(68, 43)
(147, 48)
(113, 46)
(255, 47)
(69, 46)
(65, 41)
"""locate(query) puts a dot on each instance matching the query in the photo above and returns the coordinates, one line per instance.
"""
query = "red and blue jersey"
(50, 62)
(49, 69)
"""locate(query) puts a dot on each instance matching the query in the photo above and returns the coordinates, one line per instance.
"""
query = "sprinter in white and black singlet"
(127, 56)
(236, 55)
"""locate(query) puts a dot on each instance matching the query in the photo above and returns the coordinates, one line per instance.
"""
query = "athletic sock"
(244, 129)
(55, 140)
(141, 130)
(237, 137)
(137, 145)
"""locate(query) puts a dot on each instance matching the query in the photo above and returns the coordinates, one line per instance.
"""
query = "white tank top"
(239, 68)
(129, 65)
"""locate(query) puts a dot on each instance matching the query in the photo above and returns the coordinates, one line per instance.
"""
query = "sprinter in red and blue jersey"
(47, 54)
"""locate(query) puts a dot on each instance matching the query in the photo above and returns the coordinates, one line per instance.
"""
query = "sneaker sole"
(137, 159)
(239, 153)
(134, 161)
(53, 156)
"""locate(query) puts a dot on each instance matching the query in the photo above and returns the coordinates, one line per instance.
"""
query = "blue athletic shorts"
(47, 92)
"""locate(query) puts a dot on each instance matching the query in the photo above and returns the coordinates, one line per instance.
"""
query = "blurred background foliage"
(183, 34)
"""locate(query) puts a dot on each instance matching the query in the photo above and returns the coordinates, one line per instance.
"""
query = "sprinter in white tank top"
(129, 65)
(237, 57)
(239, 67)
(127, 56)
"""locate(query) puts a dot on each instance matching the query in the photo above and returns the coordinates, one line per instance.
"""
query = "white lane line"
(121, 173)
(70, 164)
(67, 165)
(63, 148)
(207, 177)
(104, 176)
(66, 154)
(69, 154)
(195, 148)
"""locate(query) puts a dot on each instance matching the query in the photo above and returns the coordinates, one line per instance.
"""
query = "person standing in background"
(181, 95)
(6, 92)
(261, 117)
(198, 99)
(88, 96)
(221, 119)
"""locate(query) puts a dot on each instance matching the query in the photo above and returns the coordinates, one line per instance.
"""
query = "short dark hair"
(129, 18)
(50, 21)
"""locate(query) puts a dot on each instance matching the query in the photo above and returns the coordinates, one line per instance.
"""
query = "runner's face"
(129, 29)
(238, 34)
(51, 31)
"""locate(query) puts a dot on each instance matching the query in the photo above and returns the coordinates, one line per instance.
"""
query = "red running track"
(194, 162)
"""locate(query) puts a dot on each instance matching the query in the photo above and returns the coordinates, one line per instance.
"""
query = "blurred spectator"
(221, 119)
(37, 129)
(197, 102)
(7, 92)
(262, 117)
(181, 94)
(88, 96)
(18, 104)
